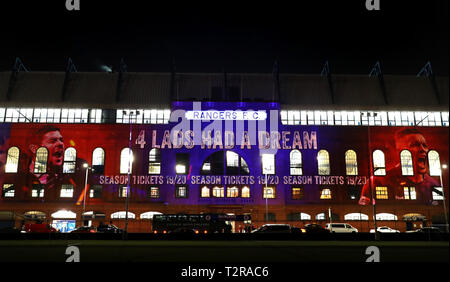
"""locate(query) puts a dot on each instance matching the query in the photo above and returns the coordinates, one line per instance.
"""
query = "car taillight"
(155, 232)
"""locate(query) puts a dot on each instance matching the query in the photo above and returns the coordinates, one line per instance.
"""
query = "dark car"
(315, 229)
(111, 228)
(426, 230)
(84, 229)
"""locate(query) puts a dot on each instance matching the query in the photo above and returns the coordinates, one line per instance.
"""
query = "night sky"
(212, 36)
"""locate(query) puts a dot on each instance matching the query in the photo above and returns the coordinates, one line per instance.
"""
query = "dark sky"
(214, 35)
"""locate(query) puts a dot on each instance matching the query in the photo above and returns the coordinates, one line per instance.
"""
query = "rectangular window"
(269, 192)
(381, 193)
(37, 191)
(181, 191)
(66, 191)
(438, 194)
(123, 192)
(297, 193)
(154, 192)
(95, 191)
(8, 191)
(268, 163)
(409, 193)
(182, 163)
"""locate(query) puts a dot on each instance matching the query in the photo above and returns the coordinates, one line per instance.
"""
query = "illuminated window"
(232, 192)
(12, 160)
(70, 158)
(182, 163)
(8, 191)
(95, 191)
(406, 162)
(325, 194)
(269, 192)
(98, 160)
(123, 191)
(245, 192)
(149, 215)
(438, 193)
(323, 162)
(205, 192)
(126, 160)
(296, 162)
(154, 161)
(356, 216)
(434, 163)
(37, 191)
(297, 193)
(351, 163)
(181, 191)
(268, 163)
(218, 192)
(409, 193)
(379, 167)
(66, 191)
(40, 164)
(386, 216)
(321, 216)
(304, 216)
(122, 215)
(381, 193)
(154, 192)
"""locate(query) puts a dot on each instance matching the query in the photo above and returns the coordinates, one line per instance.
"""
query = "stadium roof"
(147, 90)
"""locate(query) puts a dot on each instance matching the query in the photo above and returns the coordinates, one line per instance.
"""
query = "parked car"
(297, 230)
(432, 230)
(314, 228)
(38, 228)
(384, 229)
(84, 229)
(273, 228)
(111, 228)
(341, 228)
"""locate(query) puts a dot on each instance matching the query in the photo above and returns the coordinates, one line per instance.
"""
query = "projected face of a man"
(53, 141)
(417, 145)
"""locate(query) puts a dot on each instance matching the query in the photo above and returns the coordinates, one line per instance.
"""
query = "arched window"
(406, 162)
(148, 215)
(122, 215)
(245, 192)
(154, 161)
(126, 160)
(70, 157)
(325, 194)
(218, 192)
(205, 192)
(296, 162)
(434, 163)
(225, 163)
(304, 216)
(351, 163)
(320, 216)
(98, 160)
(356, 216)
(40, 163)
(323, 162)
(379, 167)
(386, 216)
(12, 160)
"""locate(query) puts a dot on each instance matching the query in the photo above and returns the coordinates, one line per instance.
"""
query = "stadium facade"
(282, 148)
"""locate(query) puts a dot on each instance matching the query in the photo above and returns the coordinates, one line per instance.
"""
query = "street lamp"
(370, 174)
(87, 167)
(443, 196)
(130, 160)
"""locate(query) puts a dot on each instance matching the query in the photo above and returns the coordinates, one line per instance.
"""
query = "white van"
(341, 228)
